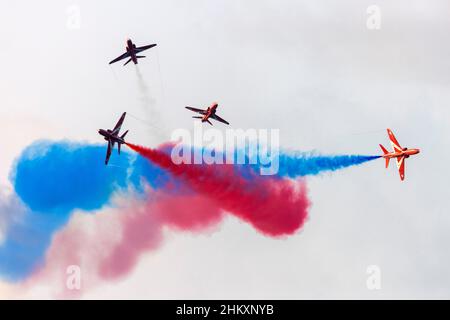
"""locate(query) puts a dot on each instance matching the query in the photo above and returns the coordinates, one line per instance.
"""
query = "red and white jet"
(131, 52)
(399, 153)
(209, 113)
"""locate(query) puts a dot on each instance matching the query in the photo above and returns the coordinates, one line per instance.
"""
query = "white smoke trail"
(152, 116)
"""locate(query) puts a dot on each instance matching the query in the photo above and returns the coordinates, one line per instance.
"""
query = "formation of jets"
(112, 136)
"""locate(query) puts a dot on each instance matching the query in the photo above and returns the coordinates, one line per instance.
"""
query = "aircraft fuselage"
(404, 153)
(131, 49)
(109, 136)
(209, 112)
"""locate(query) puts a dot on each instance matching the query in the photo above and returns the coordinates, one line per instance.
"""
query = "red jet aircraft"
(399, 153)
(209, 113)
(132, 52)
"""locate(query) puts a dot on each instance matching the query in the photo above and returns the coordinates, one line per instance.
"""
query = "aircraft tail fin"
(129, 60)
(385, 152)
(119, 143)
(124, 134)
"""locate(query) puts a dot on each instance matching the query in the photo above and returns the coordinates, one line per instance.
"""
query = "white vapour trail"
(152, 115)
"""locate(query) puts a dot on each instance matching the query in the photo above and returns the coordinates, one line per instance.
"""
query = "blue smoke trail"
(54, 178)
(301, 164)
(290, 164)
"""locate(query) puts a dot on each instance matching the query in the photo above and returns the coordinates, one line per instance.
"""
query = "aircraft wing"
(401, 167)
(108, 152)
(123, 56)
(196, 110)
(119, 123)
(394, 141)
(216, 117)
(140, 49)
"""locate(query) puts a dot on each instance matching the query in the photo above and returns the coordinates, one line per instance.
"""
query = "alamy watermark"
(373, 281)
(234, 146)
(373, 21)
(73, 21)
(73, 280)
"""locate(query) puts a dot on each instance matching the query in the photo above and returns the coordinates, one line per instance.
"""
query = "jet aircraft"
(112, 136)
(132, 52)
(399, 153)
(209, 113)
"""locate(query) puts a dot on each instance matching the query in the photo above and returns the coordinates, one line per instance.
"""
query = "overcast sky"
(312, 69)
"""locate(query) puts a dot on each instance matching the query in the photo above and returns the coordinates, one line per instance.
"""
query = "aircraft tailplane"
(385, 152)
(129, 60)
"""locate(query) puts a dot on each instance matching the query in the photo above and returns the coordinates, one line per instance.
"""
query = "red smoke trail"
(107, 245)
(141, 227)
(273, 206)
